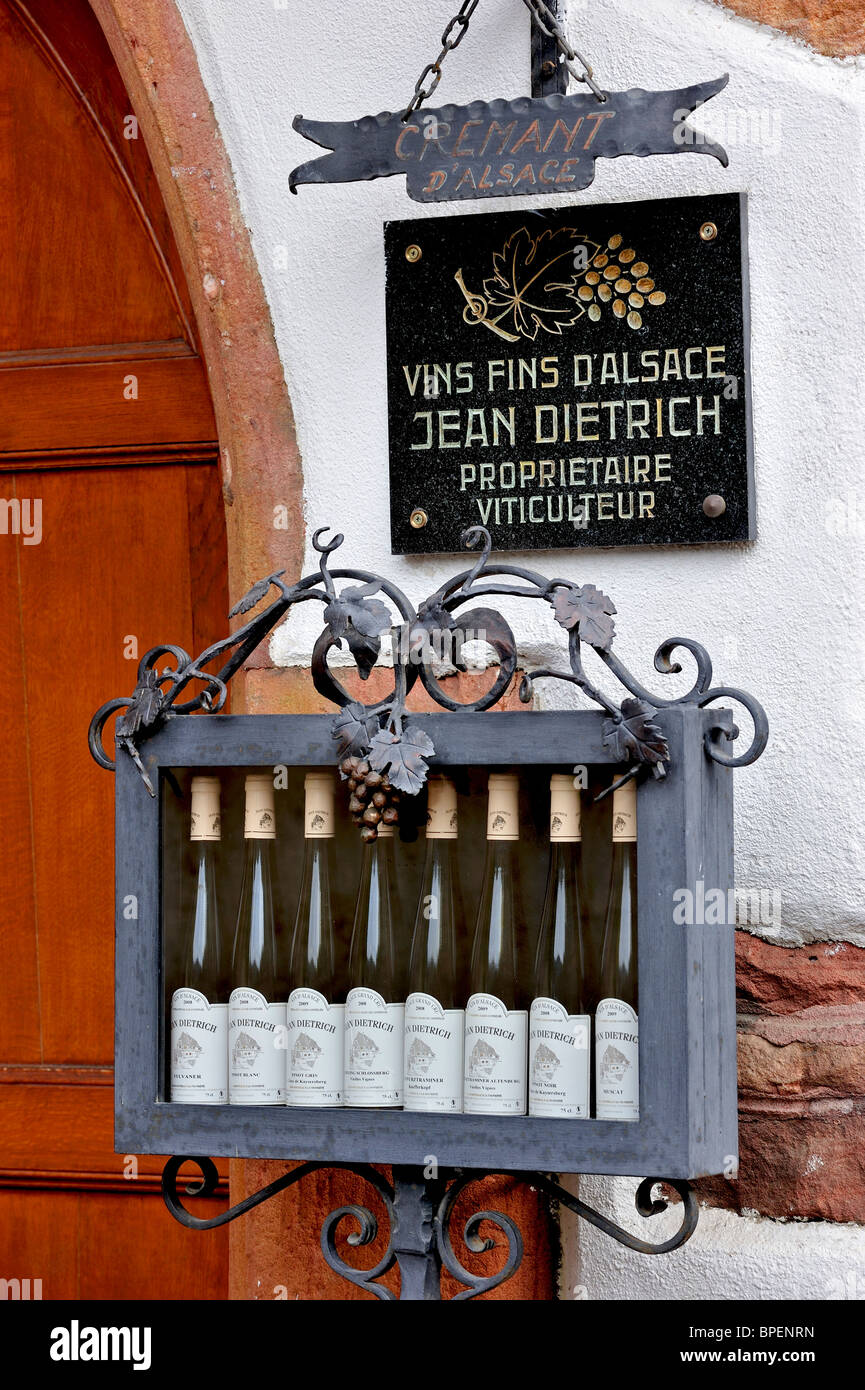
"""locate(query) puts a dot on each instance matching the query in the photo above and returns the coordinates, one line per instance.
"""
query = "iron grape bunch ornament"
(381, 755)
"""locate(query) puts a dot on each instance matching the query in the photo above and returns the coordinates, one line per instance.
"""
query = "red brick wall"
(801, 1036)
(834, 27)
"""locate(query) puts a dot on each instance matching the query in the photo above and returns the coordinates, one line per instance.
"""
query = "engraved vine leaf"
(531, 283)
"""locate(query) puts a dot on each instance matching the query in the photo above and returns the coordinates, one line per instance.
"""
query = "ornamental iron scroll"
(380, 734)
(420, 1210)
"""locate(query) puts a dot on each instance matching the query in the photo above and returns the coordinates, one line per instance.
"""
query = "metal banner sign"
(495, 149)
(570, 377)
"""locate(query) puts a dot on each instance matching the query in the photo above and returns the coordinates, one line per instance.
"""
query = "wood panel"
(115, 562)
(57, 1127)
(93, 294)
(122, 536)
(104, 1246)
(82, 266)
(70, 37)
(44, 408)
(90, 277)
(19, 1018)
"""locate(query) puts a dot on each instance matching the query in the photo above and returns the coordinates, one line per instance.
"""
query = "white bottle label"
(617, 1061)
(433, 1055)
(315, 1049)
(558, 1061)
(199, 1049)
(495, 1058)
(256, 1049)
(373, 1049)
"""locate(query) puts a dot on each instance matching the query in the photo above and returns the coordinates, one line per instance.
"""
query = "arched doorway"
(112, 538)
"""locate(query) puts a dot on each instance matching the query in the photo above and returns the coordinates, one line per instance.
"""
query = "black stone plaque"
(570, 377)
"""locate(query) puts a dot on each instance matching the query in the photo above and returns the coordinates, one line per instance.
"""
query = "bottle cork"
(441, 817)
(625, 813)
(564, 810)
(260, 819)
(205, 820)
(503, 817)
(318, 818)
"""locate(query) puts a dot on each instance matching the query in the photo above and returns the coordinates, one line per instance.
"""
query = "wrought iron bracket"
(359, 617)
(419, 1209)
(549, 74)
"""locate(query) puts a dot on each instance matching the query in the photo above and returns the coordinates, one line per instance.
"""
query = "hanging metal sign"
(569, 377)
(497, 149)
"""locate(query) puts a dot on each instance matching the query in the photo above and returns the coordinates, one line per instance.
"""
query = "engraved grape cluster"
(617, 278)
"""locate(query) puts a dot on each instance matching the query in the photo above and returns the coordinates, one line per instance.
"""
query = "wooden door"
(112, 539)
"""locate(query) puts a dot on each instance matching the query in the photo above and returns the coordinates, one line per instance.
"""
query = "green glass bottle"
(256, 1014)
(559, 1025)
(316, 1016)
(434, 1011)
(497, 1009)
(199, 1009)
(617, 1046)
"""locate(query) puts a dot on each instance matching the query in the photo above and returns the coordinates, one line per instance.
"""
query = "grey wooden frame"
(688, 1118)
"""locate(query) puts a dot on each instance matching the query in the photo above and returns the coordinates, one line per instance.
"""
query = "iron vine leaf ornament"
(402, 756)
(354, 729)
(435, 622)
(254, 595)
(378, 732)
(633, 737)
(587, 610)
(144, 709)
(361, 620)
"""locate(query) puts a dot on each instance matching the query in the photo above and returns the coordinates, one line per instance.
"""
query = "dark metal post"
(415, 1203)
(549, 74)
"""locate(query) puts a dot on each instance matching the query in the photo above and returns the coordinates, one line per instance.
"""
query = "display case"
(680, 753)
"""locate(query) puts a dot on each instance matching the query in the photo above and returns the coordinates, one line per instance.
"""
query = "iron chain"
(451, 38)
(544, 19)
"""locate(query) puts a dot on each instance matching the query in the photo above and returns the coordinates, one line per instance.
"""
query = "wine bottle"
(374, 1020)
(199, 1009)
(496, 1013)
(256, 1021)
(315, 1020)
(434, 1016)
(559, 1026)
(617, 1057)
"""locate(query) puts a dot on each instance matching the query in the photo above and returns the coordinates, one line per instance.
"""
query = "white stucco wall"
(782, 617)
(728, 1258)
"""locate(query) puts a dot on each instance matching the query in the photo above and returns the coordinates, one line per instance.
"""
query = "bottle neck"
(254, 960)
(312, 954)
(203, 943)
(434, 966)
(372, 952)
(559, 963)
(619, 964)
(495, 966)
